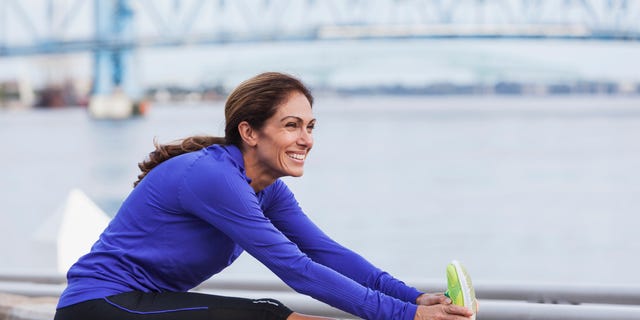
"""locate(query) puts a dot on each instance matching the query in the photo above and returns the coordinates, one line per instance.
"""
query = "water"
(519, 189)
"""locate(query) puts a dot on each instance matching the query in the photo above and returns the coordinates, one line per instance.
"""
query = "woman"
(200, 203)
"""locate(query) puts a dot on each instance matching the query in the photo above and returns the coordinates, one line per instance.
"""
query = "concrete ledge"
(15, 307)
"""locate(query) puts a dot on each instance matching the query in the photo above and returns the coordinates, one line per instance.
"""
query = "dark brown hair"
(254, 101)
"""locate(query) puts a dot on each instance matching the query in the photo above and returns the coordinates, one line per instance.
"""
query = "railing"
(497, 301)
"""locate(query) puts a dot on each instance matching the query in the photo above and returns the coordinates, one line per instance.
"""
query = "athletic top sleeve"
(285, 213)
(232, 206)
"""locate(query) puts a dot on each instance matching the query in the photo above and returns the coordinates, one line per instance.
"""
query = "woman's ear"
(248, 135)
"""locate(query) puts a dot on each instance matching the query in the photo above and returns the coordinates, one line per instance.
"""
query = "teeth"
(296, 156)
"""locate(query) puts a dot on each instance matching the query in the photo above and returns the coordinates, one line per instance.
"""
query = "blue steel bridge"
(113, 29)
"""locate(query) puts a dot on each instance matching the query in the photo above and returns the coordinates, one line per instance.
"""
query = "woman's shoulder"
(277, 186)
(211, 157)
(277, 192)
(210, 173)
(214, 162)
(229, 155)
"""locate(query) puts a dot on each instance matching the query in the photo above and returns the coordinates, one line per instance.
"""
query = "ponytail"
(166, 151)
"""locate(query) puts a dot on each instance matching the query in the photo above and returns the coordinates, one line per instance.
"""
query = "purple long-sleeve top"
(194, 214)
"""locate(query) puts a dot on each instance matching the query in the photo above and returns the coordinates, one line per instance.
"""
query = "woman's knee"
(273, 307)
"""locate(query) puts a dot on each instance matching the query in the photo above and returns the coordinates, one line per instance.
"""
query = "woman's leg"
(177, 306)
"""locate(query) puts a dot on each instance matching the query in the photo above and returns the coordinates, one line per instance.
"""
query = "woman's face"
(286, 138)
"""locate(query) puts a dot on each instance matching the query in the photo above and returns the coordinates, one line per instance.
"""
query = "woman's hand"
(429, 299)
(442, 312)
(439, 307)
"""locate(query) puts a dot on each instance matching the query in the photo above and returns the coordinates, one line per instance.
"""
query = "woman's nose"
(306, 138)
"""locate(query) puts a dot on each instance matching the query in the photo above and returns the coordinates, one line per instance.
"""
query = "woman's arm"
(226, 201)
(285, 213)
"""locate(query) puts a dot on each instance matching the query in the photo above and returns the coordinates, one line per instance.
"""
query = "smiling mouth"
(297, 156)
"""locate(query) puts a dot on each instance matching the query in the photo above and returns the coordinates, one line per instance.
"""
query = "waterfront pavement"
(17, 307)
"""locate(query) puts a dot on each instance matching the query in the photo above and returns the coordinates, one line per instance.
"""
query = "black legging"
(173, 306)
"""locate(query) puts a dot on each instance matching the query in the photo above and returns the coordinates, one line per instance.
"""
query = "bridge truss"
(112, 29)
(49, 26)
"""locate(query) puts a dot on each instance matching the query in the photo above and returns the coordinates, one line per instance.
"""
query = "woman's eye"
(311, 127)
(291, 125)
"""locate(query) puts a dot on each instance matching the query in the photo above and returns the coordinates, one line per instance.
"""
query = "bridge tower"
(115, 91)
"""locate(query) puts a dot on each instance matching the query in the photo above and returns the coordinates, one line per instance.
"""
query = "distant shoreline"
(175, 93)
(12, 95)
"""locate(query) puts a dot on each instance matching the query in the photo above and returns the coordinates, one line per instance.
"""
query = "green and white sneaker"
(460, 288)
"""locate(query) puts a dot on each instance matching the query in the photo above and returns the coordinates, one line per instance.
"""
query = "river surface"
(519, 189)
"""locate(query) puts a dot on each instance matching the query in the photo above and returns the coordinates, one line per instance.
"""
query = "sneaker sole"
(468, 293)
